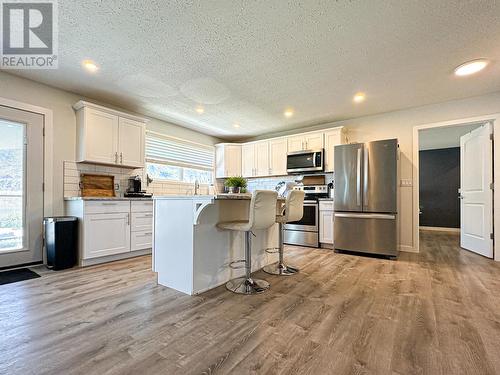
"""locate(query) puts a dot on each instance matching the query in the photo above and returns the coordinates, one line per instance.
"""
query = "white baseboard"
(112, 258)
(441, 229)
(407, 249)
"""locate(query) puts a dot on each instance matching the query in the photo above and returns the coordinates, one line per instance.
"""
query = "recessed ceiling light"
(471, 67)
(288, 113)
(236, 125)
(359, 97)
(200, 110)
(90, 66)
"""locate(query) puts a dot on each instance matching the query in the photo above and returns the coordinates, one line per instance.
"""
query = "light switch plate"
(406, 182)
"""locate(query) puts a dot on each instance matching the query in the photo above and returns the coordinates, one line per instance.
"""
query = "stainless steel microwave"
(305, 161)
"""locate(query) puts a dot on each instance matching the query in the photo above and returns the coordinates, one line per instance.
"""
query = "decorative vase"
(233, 190)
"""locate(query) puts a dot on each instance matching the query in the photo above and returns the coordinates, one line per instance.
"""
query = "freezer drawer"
(367, 233)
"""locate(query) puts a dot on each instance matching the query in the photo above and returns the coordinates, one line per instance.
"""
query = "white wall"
(399, 124)
(64, 123)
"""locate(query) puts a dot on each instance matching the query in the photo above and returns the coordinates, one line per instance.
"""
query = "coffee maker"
(134, 189)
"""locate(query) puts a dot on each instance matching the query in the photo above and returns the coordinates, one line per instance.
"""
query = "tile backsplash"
(72, 172)
(269, 183)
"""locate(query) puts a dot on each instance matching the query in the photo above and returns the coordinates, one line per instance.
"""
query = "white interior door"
(476, 177)
(21, 184)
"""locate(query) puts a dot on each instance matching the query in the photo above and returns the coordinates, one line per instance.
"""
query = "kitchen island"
(192, 255)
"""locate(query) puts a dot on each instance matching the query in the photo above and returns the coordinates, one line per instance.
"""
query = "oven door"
(309, 222)
(304, 161)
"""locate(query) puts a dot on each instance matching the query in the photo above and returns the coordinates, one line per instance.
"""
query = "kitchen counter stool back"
(294, 210)
(262, 215)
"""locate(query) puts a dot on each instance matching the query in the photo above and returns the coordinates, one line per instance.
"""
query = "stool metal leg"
(280, 268)
(247, 285)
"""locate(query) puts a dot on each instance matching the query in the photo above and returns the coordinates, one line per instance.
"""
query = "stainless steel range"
(305, 232)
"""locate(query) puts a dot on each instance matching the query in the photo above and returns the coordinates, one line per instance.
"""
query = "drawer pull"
(147, 215)
(108, 203)
(147, 234)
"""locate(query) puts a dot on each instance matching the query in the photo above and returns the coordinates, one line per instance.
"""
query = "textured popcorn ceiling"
(246, 61)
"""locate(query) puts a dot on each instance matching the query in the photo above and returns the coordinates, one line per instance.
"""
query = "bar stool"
(262, 215)
(294, 210)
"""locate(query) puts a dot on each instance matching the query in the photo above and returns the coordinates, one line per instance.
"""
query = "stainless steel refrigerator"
(366, 177)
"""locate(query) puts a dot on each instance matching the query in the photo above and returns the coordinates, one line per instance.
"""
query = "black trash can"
(61, 241)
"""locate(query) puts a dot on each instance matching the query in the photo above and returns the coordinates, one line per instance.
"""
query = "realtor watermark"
(29, 34)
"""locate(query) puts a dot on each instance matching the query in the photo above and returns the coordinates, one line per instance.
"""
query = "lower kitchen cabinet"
(112, 229)
(326, 217)
(106, 234)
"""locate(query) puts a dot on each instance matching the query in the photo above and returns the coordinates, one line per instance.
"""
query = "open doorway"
(455, 182)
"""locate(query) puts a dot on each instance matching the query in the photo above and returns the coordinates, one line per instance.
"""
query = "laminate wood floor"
(437, 312)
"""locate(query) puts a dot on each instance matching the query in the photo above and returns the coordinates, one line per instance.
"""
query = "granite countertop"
(242, 196)
(107, 198)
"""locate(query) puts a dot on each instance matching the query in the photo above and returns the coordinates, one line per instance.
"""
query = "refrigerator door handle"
(366, 176)
(358, 179)
(366, 216)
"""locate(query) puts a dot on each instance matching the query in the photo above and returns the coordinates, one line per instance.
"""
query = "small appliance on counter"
(134, 189)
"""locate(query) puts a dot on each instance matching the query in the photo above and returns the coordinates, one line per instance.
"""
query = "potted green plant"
(236, 184)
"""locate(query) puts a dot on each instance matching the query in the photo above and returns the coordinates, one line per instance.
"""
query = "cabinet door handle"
(121, 157)
(116, 157)
(128, 219)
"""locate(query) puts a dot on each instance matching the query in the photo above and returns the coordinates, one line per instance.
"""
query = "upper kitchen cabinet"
(278, 149)
(305, 141)
(262, 159)
(131, 135)
(248, 160)
(107, 136)
(333, 137)
(255, 159)
(227, 160)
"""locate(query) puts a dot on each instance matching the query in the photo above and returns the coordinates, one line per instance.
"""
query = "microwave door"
(348, 177)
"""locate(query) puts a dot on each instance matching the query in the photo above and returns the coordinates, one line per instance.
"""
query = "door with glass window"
(21, 187)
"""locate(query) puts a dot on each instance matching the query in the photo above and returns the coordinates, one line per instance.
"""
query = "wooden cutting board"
(96, 185)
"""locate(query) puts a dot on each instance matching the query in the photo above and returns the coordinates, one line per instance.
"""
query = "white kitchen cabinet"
(296, 143)
(306, 141)
(255, 159)
(131, 142)
(326, 217)
(106, 234)
(112, 229)
(141, 225)
(248, 160)
(262, 159)
(278, 149)
(227, 160)
(97, 136)
(333, 137)
(314, 141)
(107, 136)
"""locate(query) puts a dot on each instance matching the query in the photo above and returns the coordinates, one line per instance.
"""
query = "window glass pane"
(203, 177)
(164, 172)
(11, 185)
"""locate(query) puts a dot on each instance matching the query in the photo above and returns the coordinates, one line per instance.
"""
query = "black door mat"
(13, 276)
